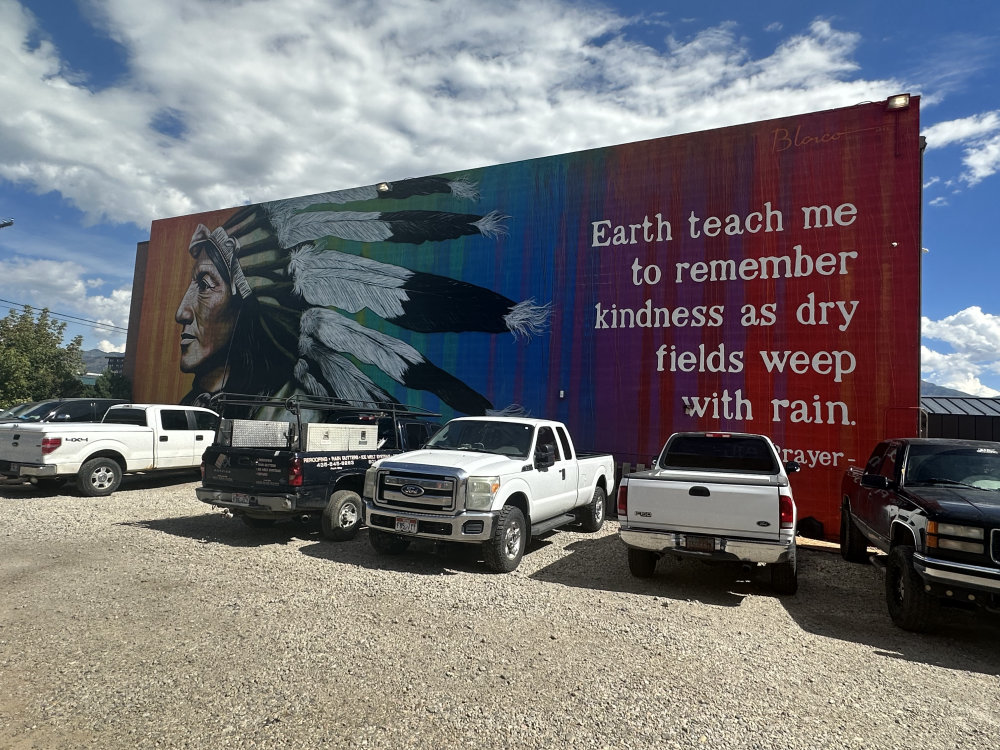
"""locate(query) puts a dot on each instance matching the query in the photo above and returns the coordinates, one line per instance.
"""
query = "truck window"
(174, 419)
(126, 416)
(204, 420)
(876, 458)
(547, 437)
(416, 434)
(75, 411)
(564, 439)
(716, 453)
(888, 468)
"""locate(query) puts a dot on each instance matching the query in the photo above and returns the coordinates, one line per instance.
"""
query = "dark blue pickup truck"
(933, 506)
(303, 456)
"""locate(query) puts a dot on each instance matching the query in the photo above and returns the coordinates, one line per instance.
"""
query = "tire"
(785, 577)
(592, 515)
(641, 562)
(387, 544)
(853, 544)
(503, 552)
(99, 477)
(910, 607)
(341, 517)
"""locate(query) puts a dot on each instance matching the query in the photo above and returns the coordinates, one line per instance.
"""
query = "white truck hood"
(471, 462)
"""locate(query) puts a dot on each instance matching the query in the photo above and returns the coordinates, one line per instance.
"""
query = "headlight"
(950, 529)
(973, 547)
(937, 530)
(369, 490)
(480, 491)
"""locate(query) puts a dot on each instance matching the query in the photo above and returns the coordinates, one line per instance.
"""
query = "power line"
(70, 318)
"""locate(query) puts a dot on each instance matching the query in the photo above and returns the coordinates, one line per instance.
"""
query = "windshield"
(40, 410)
(505, 438)
(974, 466)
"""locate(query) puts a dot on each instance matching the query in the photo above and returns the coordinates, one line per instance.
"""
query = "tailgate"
(20, 446)
(745, 508)
(260, 469)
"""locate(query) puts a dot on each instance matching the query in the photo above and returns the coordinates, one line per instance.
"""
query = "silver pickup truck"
(715, 496)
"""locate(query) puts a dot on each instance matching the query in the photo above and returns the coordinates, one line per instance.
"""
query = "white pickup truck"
(132, 437)
(491, 481)
(714, 496)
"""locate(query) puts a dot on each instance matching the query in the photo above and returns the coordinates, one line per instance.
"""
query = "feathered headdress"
(286, 254)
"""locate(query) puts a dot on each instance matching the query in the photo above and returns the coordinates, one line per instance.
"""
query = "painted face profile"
(207, 315)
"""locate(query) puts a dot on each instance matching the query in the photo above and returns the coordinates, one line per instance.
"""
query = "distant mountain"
(929, 389)
(94, 360)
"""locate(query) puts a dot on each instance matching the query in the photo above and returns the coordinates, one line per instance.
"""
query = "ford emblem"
(412, 490)
(764, 523)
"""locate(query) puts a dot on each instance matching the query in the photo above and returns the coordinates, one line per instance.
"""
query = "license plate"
(406, 525)
(699, 543)
(240, 499)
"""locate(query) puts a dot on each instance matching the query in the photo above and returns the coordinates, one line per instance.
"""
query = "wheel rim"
(348, 515)
(512, 541)
(102, 478)
(599, 512)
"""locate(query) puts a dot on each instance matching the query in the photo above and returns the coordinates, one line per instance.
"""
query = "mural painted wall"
(760, 278)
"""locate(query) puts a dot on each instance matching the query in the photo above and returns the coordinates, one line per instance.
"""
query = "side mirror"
(875, 481)
(545, 456)
(792, 466)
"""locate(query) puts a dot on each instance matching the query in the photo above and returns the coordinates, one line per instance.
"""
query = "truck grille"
(412, 491)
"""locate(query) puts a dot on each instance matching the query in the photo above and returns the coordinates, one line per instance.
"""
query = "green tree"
(112, 385)
(34, 364)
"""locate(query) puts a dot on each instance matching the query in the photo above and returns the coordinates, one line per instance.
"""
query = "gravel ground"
(148, 619)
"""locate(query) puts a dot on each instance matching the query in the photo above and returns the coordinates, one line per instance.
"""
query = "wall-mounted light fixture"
(382, 187)
(898, 101)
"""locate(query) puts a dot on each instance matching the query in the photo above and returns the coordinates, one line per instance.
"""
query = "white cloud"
(974, 337)
(62, 287)
(981, 136)
(286, 97)
(964, 129)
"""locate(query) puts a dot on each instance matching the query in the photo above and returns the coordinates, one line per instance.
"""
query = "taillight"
(295, 472)
(786, 511)
(50, 444)
(202, 471)
(623, 499)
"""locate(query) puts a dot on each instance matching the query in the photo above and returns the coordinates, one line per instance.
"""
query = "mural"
(268, 307)
(759, 278)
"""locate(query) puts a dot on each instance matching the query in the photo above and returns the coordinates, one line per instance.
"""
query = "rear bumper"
(14, 469)
(277, 504)
(725, 549)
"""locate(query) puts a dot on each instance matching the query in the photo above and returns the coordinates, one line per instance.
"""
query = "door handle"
(199, 437)
(163, 438)
(699, 491)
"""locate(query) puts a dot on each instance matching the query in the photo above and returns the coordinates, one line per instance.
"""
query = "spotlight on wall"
(899, 101)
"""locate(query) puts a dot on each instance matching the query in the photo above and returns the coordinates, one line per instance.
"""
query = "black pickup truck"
(307, 458)
(933, 506)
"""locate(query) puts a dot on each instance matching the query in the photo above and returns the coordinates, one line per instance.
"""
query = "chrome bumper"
(467, 526)
(957, 574)
(726, 549)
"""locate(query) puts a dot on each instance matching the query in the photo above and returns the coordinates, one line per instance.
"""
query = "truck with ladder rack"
(308, 459)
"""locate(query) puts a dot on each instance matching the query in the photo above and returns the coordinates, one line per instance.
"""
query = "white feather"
(528, 319)
(361, 226)
(341, 334)
(345, 378)
(350, 282)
